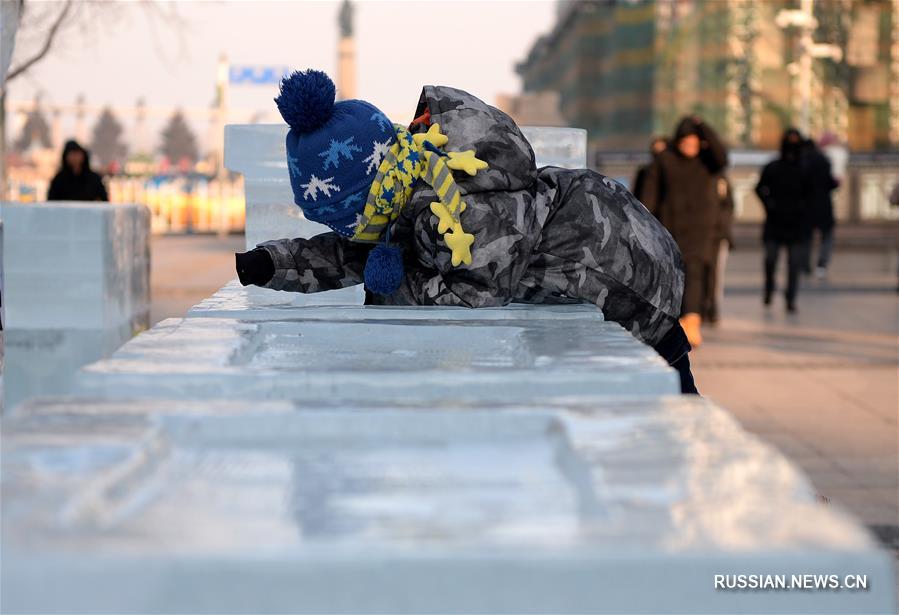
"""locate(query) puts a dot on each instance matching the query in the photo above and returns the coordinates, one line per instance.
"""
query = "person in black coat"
(656, 147)
(821, 184)
(785, 193)
(681, 191)
(75, 180)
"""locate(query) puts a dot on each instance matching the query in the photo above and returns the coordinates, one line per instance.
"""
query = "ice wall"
(77, 286)
(578, 505)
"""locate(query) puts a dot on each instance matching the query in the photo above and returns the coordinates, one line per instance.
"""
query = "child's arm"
(324, 262)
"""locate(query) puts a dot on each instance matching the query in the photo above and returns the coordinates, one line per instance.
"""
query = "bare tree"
(49, 37)
(43, 26)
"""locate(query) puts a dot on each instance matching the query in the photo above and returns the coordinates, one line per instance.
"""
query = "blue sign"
(257, 75)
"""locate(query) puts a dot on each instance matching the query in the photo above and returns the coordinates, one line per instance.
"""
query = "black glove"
(254, 267)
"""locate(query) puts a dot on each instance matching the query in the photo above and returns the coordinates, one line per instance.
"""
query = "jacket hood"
(73, 145)
(791, 145)
(686, 127)
(470, 123)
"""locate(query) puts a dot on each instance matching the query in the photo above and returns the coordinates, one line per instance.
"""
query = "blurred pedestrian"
(722, 241)
(680, 189)
(894, 201)
(656, 147)
(785, 193)
(821, 183)
(75, 180)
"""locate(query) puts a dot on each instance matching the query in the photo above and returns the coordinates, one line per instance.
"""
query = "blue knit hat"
(333, 149)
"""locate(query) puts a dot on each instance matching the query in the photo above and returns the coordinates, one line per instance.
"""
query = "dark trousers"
(695, 271)
(826, 247)
(796, 253)
(675, 349)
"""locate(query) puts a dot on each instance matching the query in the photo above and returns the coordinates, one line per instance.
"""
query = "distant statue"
(345, 19)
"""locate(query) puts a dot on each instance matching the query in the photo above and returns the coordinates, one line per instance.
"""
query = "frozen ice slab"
(46, 361)
(558, 147)
(253, 303)
(257, 152)
(75, 265)
(76, 287)
(390, 353)
(583, 505)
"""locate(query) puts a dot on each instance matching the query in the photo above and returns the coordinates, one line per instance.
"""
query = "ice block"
(583, 505)
(76, 286)
(367, 352)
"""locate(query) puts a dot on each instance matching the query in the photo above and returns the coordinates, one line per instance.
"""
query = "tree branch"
(48, 43)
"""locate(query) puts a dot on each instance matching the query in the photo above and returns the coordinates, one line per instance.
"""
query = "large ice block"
(76, 265)
(584, 505)
(368, 352)
(76, 286)
(257, 152)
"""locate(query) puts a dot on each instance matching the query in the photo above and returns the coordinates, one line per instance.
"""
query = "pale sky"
(473, 45)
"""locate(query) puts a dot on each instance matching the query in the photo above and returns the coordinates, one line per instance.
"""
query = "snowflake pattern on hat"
(337, 150)
(317, 185)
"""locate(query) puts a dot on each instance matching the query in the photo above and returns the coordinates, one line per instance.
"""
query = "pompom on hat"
(333, 148)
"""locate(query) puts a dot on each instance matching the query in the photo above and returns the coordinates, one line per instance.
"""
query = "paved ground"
(188, 268)
(821, 385)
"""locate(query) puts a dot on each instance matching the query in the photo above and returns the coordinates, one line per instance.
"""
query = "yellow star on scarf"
(465, 161)
(445, 220)
(460, 243)
(433, 137)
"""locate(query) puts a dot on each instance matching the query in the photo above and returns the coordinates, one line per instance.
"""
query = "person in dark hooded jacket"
(75, 180)
(785, 193)
(452, 211)
(821, 184)
(681, 191)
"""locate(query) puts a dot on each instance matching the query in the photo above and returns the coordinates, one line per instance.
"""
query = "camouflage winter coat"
(546, 235)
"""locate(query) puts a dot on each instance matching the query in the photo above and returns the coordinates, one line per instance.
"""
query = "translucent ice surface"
(390, 353)
(75, 265)
(272, 507)
(253, 303)
(558, 147)
(76, 287)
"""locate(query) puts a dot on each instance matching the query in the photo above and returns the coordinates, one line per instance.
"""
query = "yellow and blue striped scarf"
(412, 158)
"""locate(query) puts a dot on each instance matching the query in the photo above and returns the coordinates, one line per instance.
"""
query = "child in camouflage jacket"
(453, 211)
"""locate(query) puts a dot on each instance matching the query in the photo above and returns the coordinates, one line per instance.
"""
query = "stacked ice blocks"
(77, 286)
(582, 505)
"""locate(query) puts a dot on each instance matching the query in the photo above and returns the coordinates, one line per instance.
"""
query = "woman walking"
(681, 191)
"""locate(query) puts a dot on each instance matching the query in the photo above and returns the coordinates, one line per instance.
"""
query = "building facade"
(628, 69)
